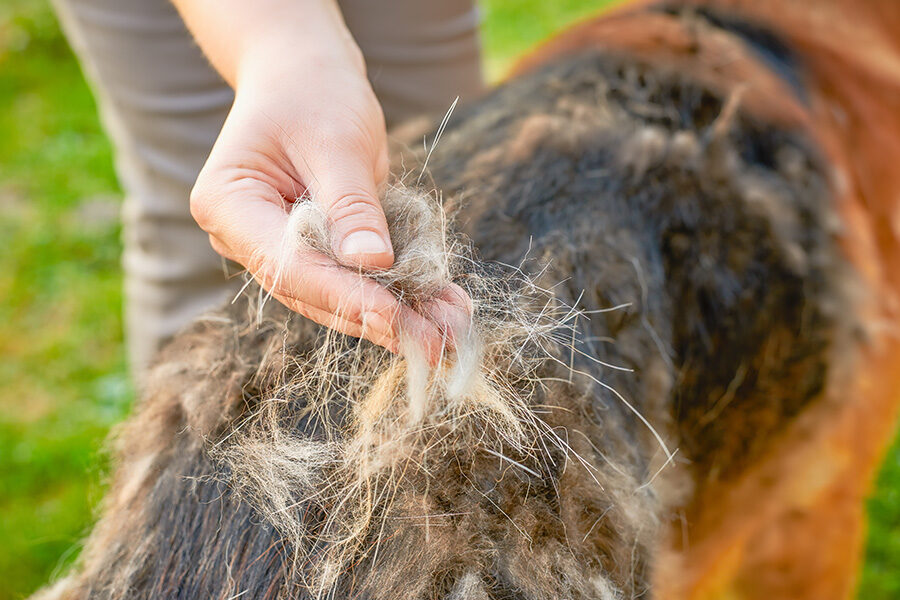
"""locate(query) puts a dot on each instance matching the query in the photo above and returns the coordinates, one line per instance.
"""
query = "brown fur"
(725, 172)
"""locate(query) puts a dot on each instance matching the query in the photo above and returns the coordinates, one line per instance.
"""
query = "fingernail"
(363, 242)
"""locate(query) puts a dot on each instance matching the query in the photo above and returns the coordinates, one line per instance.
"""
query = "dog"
(708, 186)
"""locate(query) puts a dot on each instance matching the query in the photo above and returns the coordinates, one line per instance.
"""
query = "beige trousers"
(163, 106)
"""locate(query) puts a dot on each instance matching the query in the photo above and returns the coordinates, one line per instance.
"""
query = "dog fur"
(707, 166)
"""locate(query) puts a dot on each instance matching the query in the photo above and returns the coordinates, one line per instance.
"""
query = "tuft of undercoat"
(296, 450)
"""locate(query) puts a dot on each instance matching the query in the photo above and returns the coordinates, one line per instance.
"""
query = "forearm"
(240, 37)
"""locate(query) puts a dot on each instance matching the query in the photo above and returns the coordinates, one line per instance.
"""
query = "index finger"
(254, 232)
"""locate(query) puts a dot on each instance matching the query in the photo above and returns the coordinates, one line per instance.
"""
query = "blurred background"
(63, 378)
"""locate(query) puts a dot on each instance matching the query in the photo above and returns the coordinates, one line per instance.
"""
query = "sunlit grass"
(64, 381)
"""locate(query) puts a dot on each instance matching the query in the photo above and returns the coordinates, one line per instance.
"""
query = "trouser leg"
(162, 105)
(420, 54)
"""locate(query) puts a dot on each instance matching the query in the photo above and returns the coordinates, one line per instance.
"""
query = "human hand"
(307, 123)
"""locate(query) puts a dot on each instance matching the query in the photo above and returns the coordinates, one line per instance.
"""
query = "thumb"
(348, 193)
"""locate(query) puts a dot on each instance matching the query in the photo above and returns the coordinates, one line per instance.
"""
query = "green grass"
(511, 27)
(60, 302)
(881, 573)
(61, 359)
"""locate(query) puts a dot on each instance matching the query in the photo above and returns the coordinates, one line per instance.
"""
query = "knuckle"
(354, 205)
(218, 247)
(343, 306)
(202, 204)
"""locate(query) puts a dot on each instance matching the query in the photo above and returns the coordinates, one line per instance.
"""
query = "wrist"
(246, 40)
(292, 58)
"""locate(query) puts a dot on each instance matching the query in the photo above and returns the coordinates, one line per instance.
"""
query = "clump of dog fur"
(402, 414)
